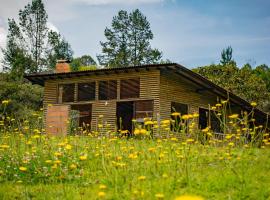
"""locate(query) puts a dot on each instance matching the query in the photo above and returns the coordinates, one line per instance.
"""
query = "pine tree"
(226, 55)
(128, 41)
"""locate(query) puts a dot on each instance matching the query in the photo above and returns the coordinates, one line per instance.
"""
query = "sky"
(189, 32)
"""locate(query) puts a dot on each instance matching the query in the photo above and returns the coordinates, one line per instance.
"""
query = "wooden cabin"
(127, 93)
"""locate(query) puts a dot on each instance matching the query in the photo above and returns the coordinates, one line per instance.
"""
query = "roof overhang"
(41, 78)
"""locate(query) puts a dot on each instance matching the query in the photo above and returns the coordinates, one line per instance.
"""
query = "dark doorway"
(125, 114)
(206, 120)
(183, 110)
(203, 118)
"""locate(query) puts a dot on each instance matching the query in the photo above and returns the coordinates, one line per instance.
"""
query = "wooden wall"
(174, 88)
(149, 90)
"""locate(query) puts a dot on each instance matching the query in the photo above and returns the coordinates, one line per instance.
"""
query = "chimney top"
(62, 66)
(63, 61)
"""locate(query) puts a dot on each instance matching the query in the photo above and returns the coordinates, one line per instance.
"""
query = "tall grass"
(151, 163)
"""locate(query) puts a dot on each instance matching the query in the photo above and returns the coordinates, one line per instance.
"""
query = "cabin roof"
(203, 83)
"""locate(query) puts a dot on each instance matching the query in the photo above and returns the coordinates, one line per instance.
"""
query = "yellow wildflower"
(175, 114)
(73, 166)
(195, 115)
(143, 131)
(57, 161)
(166, 121)
(231, 144)
(102, 187)
(253, 104)
(205, 130)
(101, 194)
(83, 157)
(190, 140)
(5, 102)
(189, 197)
(159, 196)
(224, 101)
(48, 161)
(148, 123)
(141, 178)
(4, 146)
(58, 154)
(233, 116)
(68, 147)
(23, 169)
(165, 175)
(185, 117)
(132, 156)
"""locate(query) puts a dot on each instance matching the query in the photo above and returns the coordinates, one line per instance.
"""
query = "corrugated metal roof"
(100, 70)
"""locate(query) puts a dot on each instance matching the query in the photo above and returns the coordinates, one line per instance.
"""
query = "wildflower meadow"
(154, 162)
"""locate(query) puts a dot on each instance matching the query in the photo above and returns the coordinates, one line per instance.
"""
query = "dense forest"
(32, 48)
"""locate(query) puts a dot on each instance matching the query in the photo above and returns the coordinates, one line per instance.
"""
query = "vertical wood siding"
(149, 90)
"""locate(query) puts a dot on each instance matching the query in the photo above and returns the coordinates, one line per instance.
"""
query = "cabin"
(133, 92)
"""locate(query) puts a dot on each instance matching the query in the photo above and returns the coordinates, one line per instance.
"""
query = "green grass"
(170, 168)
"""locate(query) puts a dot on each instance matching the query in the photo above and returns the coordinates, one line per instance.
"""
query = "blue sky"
(192, 33)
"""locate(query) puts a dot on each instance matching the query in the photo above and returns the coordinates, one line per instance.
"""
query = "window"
(66, 93)
(130, 88)
(86, 91)
(107, 90)
(205, 118)
(144, 109)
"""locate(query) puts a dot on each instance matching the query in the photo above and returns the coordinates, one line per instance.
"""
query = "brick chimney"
(62, 66)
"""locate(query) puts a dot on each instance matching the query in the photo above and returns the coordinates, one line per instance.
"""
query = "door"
(125, 114)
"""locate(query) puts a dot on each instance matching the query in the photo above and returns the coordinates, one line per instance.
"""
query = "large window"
(66, 93)
(130, 88)
(107, 90)
(144, 109)
(86, 91)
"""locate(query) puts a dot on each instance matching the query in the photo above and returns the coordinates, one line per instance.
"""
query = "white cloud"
(52, 27)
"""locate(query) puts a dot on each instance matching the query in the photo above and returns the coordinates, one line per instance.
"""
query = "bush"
(25, 97)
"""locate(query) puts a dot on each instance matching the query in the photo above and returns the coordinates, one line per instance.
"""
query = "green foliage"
(85, 68)
(85, 60)
(59, 49)
(226, 55)
(244, 81)
(25, 97)
(128, 41)
(31, 46)
(263, 71)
